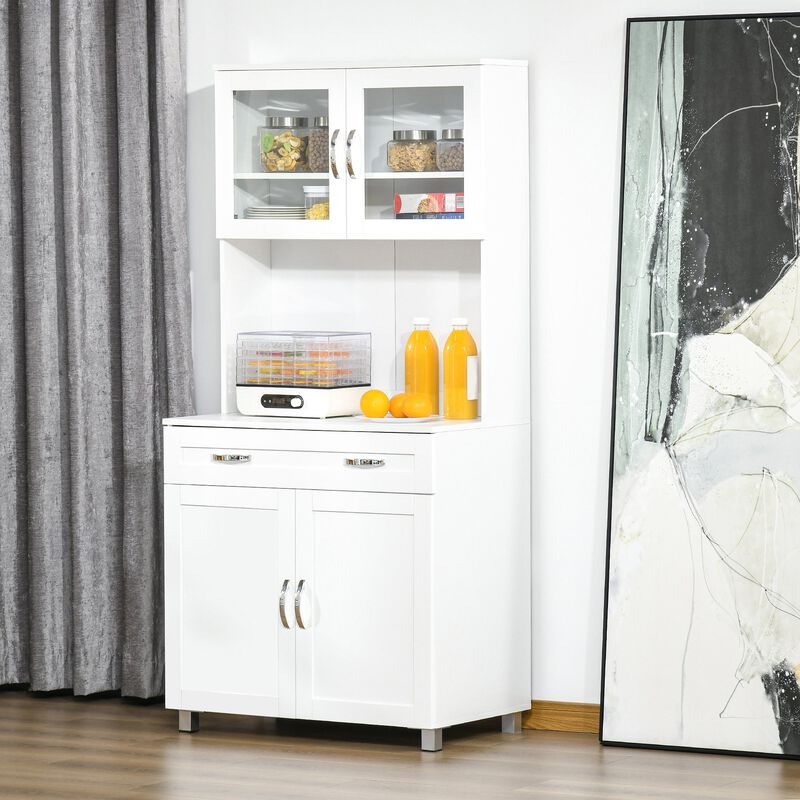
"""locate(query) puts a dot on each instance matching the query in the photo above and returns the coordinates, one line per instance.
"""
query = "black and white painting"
(702, 645)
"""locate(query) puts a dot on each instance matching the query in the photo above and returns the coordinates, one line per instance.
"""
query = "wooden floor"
(65, 748)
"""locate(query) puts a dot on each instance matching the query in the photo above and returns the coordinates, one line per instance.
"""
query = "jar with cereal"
(283, 144)
(412, 151)
(317, 203)
(450, 150)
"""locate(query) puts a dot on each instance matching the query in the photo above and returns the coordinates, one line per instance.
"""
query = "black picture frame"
(617, 315)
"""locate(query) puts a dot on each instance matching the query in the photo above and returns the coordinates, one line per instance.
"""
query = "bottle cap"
(421, 320)
(460, 321)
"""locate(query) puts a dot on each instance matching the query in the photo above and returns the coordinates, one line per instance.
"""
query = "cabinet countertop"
(352, 424)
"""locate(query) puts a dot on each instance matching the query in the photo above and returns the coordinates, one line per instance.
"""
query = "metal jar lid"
(320, 122)
(287, 122)
(413, 136)
(452, 133)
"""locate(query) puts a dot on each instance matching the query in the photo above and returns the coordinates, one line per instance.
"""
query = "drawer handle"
(297, 597)
(282, 605)
(364, 463)
(231, 458)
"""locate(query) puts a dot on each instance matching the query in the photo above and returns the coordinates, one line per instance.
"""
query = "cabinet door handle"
(231, 458)
(297, 597)
(348, 154)
(282, 605)
(364, 463)
(334, 168)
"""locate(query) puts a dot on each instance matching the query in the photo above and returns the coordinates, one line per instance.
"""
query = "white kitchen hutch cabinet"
(347, 569)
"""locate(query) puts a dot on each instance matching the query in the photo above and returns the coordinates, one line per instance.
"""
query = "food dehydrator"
(313, 374)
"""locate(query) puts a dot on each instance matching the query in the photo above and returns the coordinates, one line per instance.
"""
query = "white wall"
(576, 52)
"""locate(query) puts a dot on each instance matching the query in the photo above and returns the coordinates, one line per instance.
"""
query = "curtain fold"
(94, 335)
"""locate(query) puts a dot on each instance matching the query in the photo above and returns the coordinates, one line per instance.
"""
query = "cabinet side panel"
(481, 574)
(172, 622)
(223, 137)
(505, 252)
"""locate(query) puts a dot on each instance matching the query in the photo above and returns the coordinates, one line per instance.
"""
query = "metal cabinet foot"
(512, 723)
(431, 739)
(189, 721)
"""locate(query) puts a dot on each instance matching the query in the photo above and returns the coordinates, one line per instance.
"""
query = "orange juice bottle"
(460, 373)
(422, 363)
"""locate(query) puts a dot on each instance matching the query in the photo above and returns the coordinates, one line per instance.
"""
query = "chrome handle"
(297, 615)
(334, 168)
(348, 153)
(282, 605)
(231, 458)
(364, 463)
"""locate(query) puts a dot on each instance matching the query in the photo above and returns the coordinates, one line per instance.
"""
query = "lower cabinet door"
(228, 552)
(362, 607)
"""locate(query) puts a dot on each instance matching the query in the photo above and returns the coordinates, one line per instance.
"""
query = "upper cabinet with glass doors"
(277, 177)
(358, 153)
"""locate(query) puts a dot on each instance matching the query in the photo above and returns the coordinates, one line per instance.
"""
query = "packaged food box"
(444, 215)
(431, 203)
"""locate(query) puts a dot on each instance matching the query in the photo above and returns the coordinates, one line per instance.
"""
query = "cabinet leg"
(512, 723)
(189, 721)
(431, 739)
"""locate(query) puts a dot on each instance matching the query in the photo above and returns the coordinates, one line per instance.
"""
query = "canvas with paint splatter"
(702, 645)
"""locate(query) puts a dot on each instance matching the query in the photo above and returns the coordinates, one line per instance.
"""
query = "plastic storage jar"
(450, 150)
(318, 145)
(317, 204)
(412, 151)
(283, 144)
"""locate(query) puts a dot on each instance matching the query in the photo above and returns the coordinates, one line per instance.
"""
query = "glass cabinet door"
(277, 143)
(413, 153)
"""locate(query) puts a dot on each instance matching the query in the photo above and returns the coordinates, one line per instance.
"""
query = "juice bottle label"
(472, 377)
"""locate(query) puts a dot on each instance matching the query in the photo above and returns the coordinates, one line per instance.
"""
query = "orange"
(396, 405)
(418, 405)
(374, 403)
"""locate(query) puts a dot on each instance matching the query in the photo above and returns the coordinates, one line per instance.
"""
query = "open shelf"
(318, 176)
(281, 176)
(380, 194)
(411, 176)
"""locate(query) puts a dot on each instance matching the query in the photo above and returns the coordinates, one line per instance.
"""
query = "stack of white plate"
(275, 212)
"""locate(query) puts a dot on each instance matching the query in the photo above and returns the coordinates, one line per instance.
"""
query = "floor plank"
(98, 749)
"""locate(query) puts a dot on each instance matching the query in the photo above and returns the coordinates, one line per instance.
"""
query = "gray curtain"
(94, 335)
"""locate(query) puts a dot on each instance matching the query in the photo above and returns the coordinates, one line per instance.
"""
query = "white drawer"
(365, 462)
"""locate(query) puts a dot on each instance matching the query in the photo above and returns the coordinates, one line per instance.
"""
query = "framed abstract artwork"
(702, 621)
